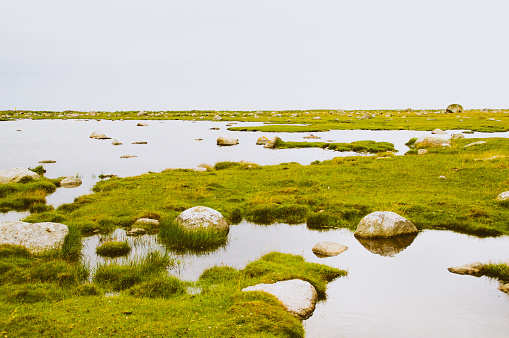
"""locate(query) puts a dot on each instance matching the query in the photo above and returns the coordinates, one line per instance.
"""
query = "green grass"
(345, 189)
(25, 195)
(113, 249)
(357, 146)
(498, 271)
(180, 239)
(151, 303)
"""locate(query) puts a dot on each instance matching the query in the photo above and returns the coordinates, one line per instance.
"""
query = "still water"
(399, 292)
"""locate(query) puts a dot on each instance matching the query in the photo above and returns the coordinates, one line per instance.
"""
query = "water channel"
(392, 290)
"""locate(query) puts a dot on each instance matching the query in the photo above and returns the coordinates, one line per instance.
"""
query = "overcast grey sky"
(247, 55)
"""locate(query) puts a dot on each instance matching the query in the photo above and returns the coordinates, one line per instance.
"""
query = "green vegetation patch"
(357, 146)
(113, 249)
(499, 271)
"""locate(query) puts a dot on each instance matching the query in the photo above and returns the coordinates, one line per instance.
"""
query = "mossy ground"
(493, 120)
(342, 191)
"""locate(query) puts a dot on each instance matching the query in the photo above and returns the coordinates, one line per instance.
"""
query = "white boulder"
(382, 224)
(17, 174)
(503, 196)
(202, 217)
(297, 296)
(34, 236)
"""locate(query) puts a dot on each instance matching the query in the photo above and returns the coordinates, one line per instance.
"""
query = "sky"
(253, 55)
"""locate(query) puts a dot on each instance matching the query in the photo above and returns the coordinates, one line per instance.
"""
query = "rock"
(217, 118)
(384, 224)
(297, 296)
(34, 236)
(272, 143)
(98, 136)
(136, 232)
(429, 141)
(504, 288)
(116, 143)
(366, 116)
(128, 156)
(317, 118)
(70, 182)
(328, 249)
(387, 247)
(146, 222)
(214, 128)
(142, 113)
(473, 269)
(48, 161)
(422, 151)
(202, 217)
(312, 137)
(227, 141)
(438, 132)
(503, 196)
(206, 166)
(262, 140)
(142, 142)
(17, 174)
(442, 177)
(457, 136)
(200, 169)
(454, 109)
(474, 144)
(142, 124)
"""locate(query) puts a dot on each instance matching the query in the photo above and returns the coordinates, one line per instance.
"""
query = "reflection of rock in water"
(387, 246)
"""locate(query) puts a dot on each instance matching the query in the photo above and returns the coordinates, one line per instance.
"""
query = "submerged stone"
(387, 247)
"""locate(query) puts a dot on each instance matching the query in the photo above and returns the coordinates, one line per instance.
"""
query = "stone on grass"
(382, 224)
(297, 296)
(70, 182)
(34, 236)
(474, 144)
(504, 288)
(227, 141)
(503, 196)
(217, 118)
(454, 109)
(202, 218)
(262, 140)
(142, 113)
(16, 174)
(457, 136)
(473, 269)
(328, 249)
(422, 151)
(429, 141)
(272, 143)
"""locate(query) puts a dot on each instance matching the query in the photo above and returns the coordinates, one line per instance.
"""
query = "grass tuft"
(113, 249)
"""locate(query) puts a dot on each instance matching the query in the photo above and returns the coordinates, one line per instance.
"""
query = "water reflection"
(388, 247)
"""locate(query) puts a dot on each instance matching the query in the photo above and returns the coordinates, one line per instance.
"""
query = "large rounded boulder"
(17, 174)
(384, 224)
(202, 218)
(429, 141)
(34, 236)
(454, 108)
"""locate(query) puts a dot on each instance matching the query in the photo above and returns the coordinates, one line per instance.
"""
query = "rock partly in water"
(503, 196)
(457, 136)
(17, 174)
(142, 124)
(438, 132)
(140, 142)
(262, 141)
(206, 166)
(473, 269)
(36, 237)
(99, 136)
(328, 249)
(454, 108)
(504, 288)
(382, 224)
(136, 232)
(227, 141)
(70, 182)
(202, 218)
(143, 222)
(116, 143)
(128, 156)
(272, 143)
(297, 296)
(387, 247)
(429, 141)
(47, 161)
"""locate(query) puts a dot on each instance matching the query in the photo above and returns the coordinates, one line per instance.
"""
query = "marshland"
(329, 170)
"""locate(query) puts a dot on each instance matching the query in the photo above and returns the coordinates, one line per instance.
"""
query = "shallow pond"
(396, 289)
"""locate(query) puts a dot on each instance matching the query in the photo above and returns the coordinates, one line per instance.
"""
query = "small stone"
(136, 232)
(116, 143)
(504, 288)
(328, 249)
(99, 136)
(262, 140)
(422, 151)
(48, 161)
(503, 196)
(70, 182)
(438, 132)
(473, 269)
(128, 156)
(146, 222)
(141, 142)
(457, 136)
(474, 144)
(142, 124)
(227, 141)
(442, 177)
